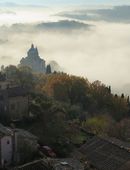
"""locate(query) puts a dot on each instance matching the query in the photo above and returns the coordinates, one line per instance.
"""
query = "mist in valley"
(98, 49)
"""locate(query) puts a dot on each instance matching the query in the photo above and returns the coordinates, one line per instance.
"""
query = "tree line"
(61, 104)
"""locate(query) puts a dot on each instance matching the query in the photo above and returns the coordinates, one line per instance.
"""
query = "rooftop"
(121, 144)
(104, 154)
(36, 165)
(5, 131)
(26, 134)
(14, 91)
(66, 164)
(55, 164)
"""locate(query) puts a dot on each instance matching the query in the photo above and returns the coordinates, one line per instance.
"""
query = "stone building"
(34, 61)
(5, 82)
(14, 102)
(26, 145)
(6, 146)
(11, 142)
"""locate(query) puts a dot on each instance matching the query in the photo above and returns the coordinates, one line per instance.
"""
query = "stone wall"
(18, 107)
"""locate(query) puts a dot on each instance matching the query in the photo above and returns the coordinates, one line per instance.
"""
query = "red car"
(47, 151)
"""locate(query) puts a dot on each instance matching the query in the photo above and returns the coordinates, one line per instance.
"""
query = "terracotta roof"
(105, 155)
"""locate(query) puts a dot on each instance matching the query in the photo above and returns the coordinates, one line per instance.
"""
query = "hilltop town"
(50, 120)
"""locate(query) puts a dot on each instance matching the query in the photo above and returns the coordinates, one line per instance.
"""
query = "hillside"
(61, 104)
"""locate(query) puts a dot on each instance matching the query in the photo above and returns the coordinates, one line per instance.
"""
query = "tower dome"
(33, 52)
(34, 61)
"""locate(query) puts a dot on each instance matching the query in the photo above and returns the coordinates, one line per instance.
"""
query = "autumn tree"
(65, 88)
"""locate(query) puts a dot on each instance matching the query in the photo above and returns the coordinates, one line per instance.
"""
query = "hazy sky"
(90, 38)
(53, 2)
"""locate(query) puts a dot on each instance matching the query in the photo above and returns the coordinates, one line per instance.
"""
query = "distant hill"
(63, 25)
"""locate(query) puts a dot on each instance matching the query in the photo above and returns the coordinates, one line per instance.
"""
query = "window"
(5, 162)
(8, 142)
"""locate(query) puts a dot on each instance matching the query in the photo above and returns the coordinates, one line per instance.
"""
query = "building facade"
(34, 61)
(6, 146)
(13, 145)
(14, 103)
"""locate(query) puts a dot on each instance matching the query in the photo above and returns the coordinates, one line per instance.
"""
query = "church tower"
(34, 61)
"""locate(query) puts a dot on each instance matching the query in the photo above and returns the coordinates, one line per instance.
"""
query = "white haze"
(101, 53)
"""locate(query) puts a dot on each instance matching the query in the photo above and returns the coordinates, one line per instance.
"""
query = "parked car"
(47, 151)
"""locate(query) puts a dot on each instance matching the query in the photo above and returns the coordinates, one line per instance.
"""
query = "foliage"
(121, 130)
(49, 116)
(61, 104)
(92, 105)
(22, 76)
(98, 124)
(65, 88)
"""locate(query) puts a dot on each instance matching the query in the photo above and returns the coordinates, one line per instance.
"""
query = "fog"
(98, 13)
(101, 52)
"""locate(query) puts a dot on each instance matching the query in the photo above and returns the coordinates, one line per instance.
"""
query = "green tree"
(48, 69)
(98, 124)
(25, 77)
(11, 72)
(22, 76)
